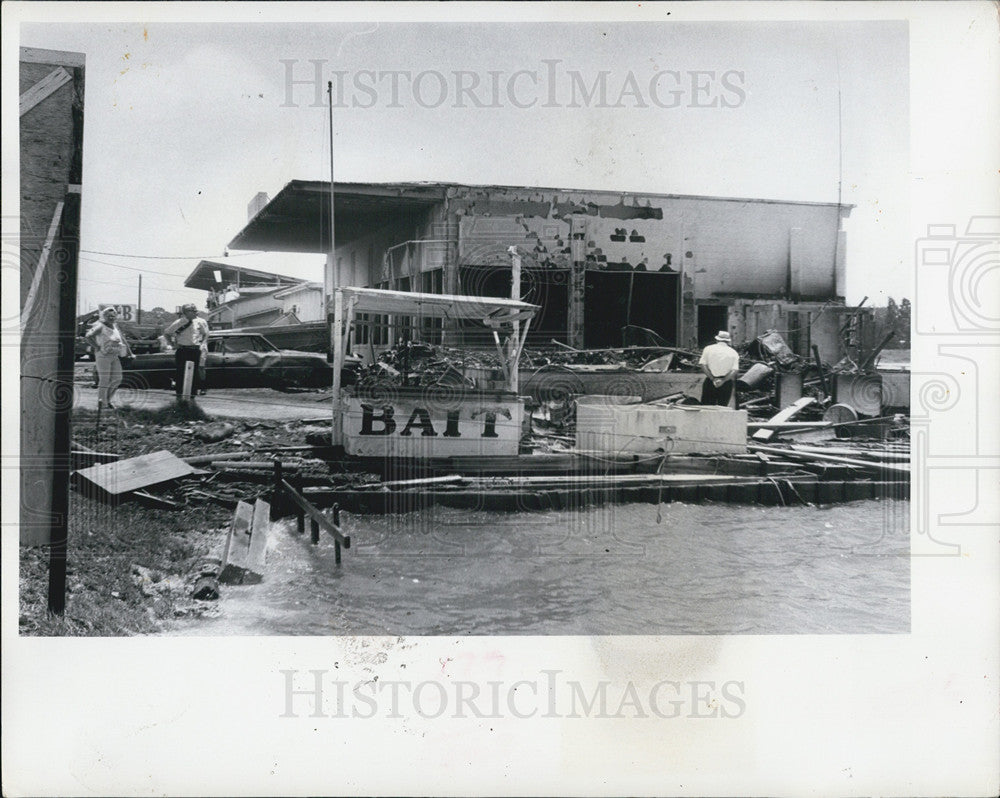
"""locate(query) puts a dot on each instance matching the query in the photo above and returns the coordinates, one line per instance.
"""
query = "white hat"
(723, 336)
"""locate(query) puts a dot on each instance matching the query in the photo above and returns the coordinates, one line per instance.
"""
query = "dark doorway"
(711, 319)
(545, 287)
(431, 282)
(616, 300)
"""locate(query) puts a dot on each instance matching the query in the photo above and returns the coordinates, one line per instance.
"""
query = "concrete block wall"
(721, 246)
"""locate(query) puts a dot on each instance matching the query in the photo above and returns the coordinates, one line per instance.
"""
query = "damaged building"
(607, 268)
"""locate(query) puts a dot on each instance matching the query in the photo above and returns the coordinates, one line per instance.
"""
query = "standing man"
(720, 363)
(188, 334)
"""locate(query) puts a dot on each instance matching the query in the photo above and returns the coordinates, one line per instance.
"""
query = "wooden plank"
(237, 552)
(48, 85)
(816, 435)
(413, 483)
(37, 55)
(85, 458)
(791, 425)
(136, 472)
(617, 479)
(43, 259)
(869, 465)
(259, 530)
(157, 501)
(876, 455)
(201, 459)
(784, 415)
(314, 513)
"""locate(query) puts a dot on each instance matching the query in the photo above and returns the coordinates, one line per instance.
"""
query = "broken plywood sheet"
(134, 473)
(243, 558)
(785, 415)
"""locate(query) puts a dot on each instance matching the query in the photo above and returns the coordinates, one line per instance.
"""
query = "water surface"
(616, 569)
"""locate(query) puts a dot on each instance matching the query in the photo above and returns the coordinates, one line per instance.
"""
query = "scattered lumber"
(157, 501)
(250, 464)
(785, 415)
(243, 557)
(226, 501)
(874, 454)
(82, 457)
(134, 473)
(611, 479)
(413, 483)
(868, 465)
(814, 434)
(200, 459)
(756, 402)
(789, 425)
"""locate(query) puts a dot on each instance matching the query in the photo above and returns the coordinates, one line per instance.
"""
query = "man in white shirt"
(720, 364)
(188, 334)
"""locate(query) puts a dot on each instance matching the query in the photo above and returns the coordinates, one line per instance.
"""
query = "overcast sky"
(185, 123)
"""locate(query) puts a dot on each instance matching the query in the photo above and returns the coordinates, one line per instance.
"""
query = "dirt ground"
(131, 565)
(263, 403)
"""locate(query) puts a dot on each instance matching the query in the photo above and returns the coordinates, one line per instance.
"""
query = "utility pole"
(515, 338)
(577, 279)
(138, 309)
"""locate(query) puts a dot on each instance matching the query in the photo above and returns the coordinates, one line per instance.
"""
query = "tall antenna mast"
(840, 170)
(333, 246)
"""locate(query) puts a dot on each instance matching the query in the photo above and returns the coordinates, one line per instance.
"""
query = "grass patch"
(176, 413)
(107, 541)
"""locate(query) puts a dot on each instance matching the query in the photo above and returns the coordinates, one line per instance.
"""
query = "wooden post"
(577, 280)
(188, 380)
(515, 338)
(68, 249)
(336, 541)
(314, 526)
(819, 369)
(301, 515)
(279, 476)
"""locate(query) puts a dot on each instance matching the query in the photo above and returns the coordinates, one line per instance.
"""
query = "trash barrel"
(755, 375)
(840, 413)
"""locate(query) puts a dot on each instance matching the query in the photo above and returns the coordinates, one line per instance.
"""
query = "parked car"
(237, 360)
(82, 350)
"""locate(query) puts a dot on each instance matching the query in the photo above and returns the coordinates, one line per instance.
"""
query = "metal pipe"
(338, 364)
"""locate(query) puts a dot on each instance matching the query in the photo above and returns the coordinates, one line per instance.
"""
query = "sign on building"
(416, 422)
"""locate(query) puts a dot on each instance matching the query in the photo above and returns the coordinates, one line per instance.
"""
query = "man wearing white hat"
(720, 364)
(188, 333)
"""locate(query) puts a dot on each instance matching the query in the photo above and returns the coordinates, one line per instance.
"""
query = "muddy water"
(697, 569)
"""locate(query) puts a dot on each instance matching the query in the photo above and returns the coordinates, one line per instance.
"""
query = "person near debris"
(188, 333)
(110, 346)
(203, 367)
(720, 364)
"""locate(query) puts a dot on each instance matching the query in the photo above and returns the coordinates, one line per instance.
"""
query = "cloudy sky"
(186, 122)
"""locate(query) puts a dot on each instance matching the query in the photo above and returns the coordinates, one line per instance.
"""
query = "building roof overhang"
(203, 278)
(298, 218)
(489, 310)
